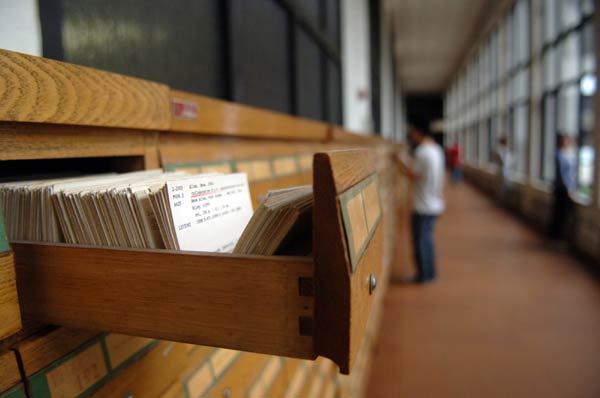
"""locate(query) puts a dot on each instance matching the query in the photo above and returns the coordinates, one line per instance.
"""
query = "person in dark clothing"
(565, 185)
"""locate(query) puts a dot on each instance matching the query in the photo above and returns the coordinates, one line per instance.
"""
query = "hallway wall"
(535, 205)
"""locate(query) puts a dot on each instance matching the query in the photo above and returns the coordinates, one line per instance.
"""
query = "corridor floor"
(506, 318)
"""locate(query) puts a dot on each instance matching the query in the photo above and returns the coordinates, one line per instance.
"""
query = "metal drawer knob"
(372, 283)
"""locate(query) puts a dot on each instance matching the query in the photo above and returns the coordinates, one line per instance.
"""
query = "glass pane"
(494, 57)
(474, 144)
(570, 14)
(522, 37)
(570, 57)
(550, 78)
(483, 137)
(124, 37)
(521, 85)
(332, 8)
(510, 40)
(505, 48)
(259, 49)
(519, 138)
(587, 7)
(491, 140)
(550, 28)
(568, 110)
(511, 89)
(311, 11)
(309, 80)
(588, 60)
(334, 101)
(549, 138)
(586, 151)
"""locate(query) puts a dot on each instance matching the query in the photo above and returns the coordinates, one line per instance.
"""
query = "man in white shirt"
(426, 171)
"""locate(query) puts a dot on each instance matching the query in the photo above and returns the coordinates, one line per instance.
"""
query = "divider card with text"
(210, 213)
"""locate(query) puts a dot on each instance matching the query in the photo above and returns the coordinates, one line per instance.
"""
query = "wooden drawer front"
(349, 250)
(10, 313)
(250, 303)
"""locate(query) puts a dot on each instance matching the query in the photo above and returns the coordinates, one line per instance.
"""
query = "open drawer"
(290, 306)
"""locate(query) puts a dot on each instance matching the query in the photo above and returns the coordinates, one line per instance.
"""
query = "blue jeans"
(456, 174)
(422, 230)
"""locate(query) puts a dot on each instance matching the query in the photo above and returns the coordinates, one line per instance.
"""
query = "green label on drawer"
(361, 212)
(75, 374)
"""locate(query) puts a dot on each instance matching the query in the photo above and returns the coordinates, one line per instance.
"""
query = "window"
(569, 67)
(518, 85)
(223, 49)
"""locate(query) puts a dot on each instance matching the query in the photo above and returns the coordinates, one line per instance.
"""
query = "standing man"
(565, 185)
(426, 171)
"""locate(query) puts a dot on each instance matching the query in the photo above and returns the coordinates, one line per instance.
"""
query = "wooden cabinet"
(302, 307)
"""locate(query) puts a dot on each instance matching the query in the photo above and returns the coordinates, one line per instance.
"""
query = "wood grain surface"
(42, 349)
(226, 118)
(40, 90)
(351, 166)
(342, 308)
(249, 303)
(10, 375)
(239, 377)
(151, 375)
(332, 268)
(47, 141)
(182, 148)
(10, 314)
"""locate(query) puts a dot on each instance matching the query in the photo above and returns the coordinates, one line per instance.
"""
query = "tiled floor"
(507, 317)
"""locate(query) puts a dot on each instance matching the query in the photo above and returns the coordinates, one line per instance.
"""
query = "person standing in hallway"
(454, 163)
(503, 159)
(426, 171)
(565, 185)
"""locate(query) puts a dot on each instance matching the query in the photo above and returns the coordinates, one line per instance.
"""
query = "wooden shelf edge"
(194, 113)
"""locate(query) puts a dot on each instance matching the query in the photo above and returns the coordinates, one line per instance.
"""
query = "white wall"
(399, 116)
(20, 26)
(356, 69)
(387, 76)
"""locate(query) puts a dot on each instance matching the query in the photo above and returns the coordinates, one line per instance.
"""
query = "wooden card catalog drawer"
(347, 217)
(298, 307)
